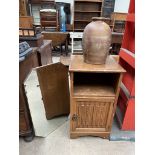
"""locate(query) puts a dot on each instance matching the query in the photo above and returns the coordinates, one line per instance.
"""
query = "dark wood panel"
(36, 1)
(22, 122)
(22, 7)
(31, 61)
(85, 16)
(25, 67)
(45, 53)
(33, 41)
(88, 6)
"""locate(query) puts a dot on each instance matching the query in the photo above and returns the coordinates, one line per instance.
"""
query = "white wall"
(121, 6)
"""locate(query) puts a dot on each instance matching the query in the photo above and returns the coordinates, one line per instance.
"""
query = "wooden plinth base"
(104, 135)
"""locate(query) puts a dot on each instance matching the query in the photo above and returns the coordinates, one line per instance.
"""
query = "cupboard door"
(93, 114)
(53, 80)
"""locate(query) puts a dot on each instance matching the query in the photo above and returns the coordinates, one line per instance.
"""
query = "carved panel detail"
(92, 114)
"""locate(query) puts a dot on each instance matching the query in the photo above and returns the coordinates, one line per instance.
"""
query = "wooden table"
(58, 39)
(94, 91)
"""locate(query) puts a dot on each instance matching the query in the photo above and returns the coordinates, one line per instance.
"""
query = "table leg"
(66, 47)
(61, 49)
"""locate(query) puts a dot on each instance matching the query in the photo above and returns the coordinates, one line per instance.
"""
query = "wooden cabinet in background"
(84, 10)
(25, 124)
(44, 48)
(94, 92)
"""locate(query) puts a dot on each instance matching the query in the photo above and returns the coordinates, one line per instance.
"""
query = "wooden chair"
(117, 27)
(118, 17)
(49, 19)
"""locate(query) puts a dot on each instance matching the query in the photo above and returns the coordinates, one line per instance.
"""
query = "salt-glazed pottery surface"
(96, 41)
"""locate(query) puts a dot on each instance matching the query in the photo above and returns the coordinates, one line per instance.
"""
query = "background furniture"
(25, 123)
(28, 32)
(117, 38)
(126, 103)
(116, 42)
(43, 2)
(35, 1)
(94, 91)
(36, 40)
(33, 41)
(27, 28)
(49, 19)
(49, 15)
(76, 45)
(118, 21)
(58, 39)
(76, 41)
(26, 21)
(24, 8)
(45, 53)
(108, 8)
(44, 48)
(84, 10)
(47, 3)
(117, 26)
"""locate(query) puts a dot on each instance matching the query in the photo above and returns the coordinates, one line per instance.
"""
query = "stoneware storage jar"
(96, 41)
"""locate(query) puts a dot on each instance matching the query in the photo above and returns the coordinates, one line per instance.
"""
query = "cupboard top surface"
(78, 65)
